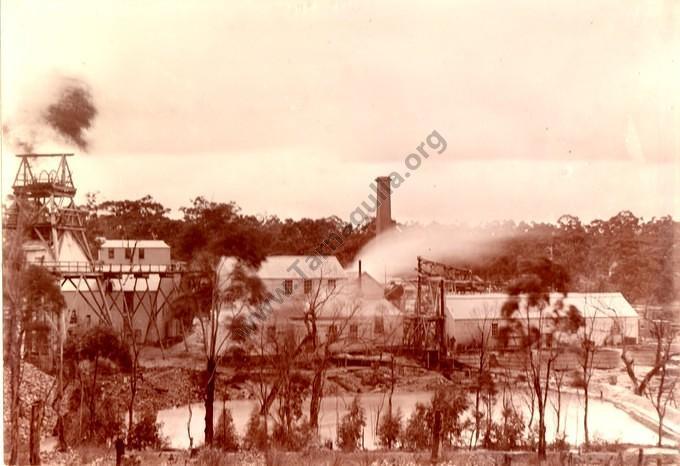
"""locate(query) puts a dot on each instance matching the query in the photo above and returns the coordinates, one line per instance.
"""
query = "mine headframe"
(44, 185)
(425, 328)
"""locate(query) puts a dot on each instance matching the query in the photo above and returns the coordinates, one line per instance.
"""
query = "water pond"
(605, 421)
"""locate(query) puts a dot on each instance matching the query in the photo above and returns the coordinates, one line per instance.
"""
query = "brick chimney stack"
(383, 219)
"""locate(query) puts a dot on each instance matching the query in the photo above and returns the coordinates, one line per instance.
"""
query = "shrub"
(507, 434)
(416, 435)
(146, 432)
(225, 436)
(560, 443)
(351, 427)
(389, 429)
(256, 434)
(599, 444)
(531, 441)
(291, 430)
(109, 421)
(452, 403)
(294, 438)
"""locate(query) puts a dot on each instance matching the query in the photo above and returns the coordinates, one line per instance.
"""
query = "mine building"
(608, 317)
(350, 306)
(128, 288)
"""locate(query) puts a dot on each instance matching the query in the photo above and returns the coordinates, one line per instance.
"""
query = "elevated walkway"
(94, 269)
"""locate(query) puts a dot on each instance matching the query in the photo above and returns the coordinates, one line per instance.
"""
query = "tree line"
(624, 253)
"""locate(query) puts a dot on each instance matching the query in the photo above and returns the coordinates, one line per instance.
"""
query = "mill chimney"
(383, 219)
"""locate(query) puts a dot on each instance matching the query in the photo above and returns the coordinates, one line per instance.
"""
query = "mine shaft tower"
(51, 218)
(49, 195)
(425, 329)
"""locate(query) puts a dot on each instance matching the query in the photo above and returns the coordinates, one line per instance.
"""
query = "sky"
(293, 108)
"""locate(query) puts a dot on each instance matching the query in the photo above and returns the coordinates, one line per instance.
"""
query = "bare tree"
(661, 393)
(293, 385)
(318, 349)
(585, 353)
(661, 332)
(264, 387)
(389, 340)
(558, 382)
(482, 343)
(222, 291)
(276, 354)
(28, 290)
(531, 394)
(539, 362)
(97, 345)
(12, 265)
(128, 312)
(328, 313)
(536, 325)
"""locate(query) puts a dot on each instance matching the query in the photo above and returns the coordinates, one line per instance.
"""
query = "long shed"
(609, 315)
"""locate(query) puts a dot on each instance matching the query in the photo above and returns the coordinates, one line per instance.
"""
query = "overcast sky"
(293, 108)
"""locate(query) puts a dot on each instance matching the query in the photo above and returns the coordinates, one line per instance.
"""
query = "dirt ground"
(625, 456)
(172, 376)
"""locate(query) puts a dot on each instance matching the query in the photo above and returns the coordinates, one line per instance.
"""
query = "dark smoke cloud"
(73, 114)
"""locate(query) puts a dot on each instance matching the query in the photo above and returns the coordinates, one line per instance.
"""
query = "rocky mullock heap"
(35, 385)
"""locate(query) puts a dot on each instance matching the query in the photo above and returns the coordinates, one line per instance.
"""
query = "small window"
(353, 332)
(494, 329)
(128, 253)
(271, 332)
(112, 253)
(74, 317)
(141, 253)
(378, 326)
(288, 287)
(308, 286)
(331, 283)
(88, 320)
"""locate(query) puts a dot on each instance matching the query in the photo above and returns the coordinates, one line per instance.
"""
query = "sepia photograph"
(340, 232)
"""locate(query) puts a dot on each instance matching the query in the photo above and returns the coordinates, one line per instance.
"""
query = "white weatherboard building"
(299, 275)
(135, 252)
(351, 307)
(136, 268)
(609, 315)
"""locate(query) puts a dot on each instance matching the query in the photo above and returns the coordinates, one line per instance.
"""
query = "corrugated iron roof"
(368, 287)
(479, 306)
(135, 243)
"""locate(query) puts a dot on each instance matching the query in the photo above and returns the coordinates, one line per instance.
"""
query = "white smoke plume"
(394, 253)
